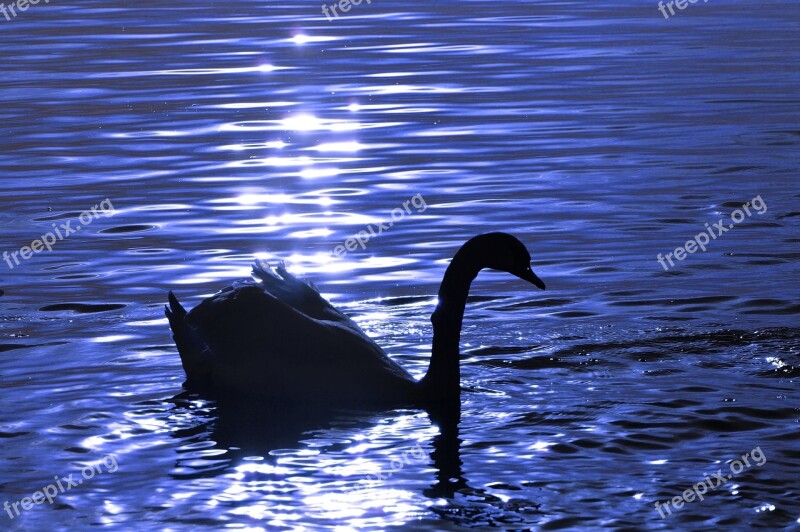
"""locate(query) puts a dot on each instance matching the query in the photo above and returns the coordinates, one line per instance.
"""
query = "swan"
(277, 338)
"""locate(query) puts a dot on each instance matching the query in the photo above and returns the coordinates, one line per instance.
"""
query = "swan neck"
(443, 380)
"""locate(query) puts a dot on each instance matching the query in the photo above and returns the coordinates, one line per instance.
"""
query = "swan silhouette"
(277, 338)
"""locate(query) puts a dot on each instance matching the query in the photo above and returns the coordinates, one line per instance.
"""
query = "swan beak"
(529, 276)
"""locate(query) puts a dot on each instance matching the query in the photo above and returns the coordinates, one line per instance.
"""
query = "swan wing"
(301, 296)
(280, 339)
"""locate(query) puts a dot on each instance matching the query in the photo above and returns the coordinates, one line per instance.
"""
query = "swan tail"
(175, 311)
(195, 355)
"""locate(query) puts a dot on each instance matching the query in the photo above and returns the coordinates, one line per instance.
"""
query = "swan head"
(506, 253)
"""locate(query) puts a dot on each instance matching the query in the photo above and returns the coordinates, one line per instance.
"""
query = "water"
(599, 133)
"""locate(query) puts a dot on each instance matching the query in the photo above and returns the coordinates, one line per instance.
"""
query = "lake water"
(599, 133)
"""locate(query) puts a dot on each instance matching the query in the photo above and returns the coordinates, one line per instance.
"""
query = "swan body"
(277, 338)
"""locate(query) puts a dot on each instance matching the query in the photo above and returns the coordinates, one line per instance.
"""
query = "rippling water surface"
(600, 133)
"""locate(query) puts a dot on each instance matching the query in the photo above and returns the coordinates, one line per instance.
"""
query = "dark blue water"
(599, 133)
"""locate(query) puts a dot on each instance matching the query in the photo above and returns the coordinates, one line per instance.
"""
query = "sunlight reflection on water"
(227, 133)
